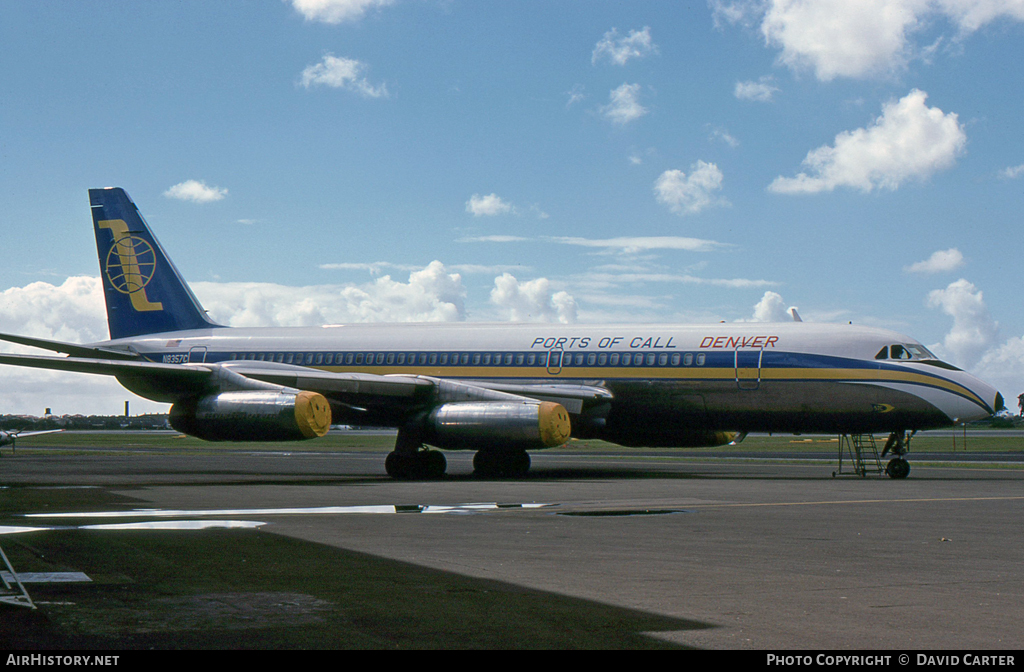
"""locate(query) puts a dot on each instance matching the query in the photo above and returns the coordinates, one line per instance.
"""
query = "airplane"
(498, 389)
(7, 438)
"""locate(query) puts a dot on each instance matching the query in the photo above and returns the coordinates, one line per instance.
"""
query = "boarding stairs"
(861, 455)
(17, 598)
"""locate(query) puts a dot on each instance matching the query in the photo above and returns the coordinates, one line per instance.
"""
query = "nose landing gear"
(899, 445)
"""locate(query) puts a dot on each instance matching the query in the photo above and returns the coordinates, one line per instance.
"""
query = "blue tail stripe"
(143, 290)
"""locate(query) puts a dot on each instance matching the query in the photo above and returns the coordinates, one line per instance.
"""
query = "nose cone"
(988, 400)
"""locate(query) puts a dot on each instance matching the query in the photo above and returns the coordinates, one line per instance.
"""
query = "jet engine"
(253, 415)
(497, 425)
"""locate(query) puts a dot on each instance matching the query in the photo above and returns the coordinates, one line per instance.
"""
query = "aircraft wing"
(109, 367)
(359, 391)
(22, 435)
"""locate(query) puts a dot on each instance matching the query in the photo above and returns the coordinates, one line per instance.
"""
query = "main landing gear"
(410, 460)
(899, 445)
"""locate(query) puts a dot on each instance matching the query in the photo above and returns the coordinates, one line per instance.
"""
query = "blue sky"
(316, 161)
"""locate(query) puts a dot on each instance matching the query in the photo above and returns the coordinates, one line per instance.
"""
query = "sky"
(325, 161)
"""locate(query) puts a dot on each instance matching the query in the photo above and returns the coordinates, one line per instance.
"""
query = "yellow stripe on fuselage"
(692, 373)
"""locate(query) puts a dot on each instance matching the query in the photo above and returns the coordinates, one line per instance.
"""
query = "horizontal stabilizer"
(73, 349)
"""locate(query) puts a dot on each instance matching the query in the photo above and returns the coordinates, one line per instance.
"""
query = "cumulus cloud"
(336, 11)
(970, 15)
(623, 105)
(771, 308)
(575, 95)
(532, 301)
(73, 312)
(488, 206)
(432, 294)
(1003, 367)
(721, 133)
(342, 73)
(940, 262)
(974, 331)
(909, 141)
(619, 50)
(838, 38)
(1012, 172)
(760, 91)
(195, 191)
(689, 194)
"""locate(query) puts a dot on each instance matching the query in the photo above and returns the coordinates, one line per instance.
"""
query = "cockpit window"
(920, 352)
(905, 351)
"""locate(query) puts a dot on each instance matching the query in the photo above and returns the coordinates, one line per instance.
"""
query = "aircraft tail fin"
(144, 292)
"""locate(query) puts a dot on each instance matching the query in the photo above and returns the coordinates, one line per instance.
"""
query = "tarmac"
(762, 554)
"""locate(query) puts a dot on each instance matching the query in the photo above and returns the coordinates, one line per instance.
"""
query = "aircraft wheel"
(396, 464)
(485, 464)
(501, 464)
(434, 463)
(518, 464)
(423, 464)
(897, 468)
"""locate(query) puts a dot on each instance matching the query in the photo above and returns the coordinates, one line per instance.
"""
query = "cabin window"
(319, 358)
(626, 358)
(329, 358)
(591, 359)
(359, 358)
(390, 358)
(401, 359)
(614, 361)
(349, 357)
(602, 359)
(700, 359)
(487, 359)
(465, 358)
(380, 358)
(663, 359)
(531, 359)
(688, 359)
(675, 359)
(476, 359)
(289, 358)
(520, 358)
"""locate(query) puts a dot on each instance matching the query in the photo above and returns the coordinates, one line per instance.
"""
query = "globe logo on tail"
(131, 263)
